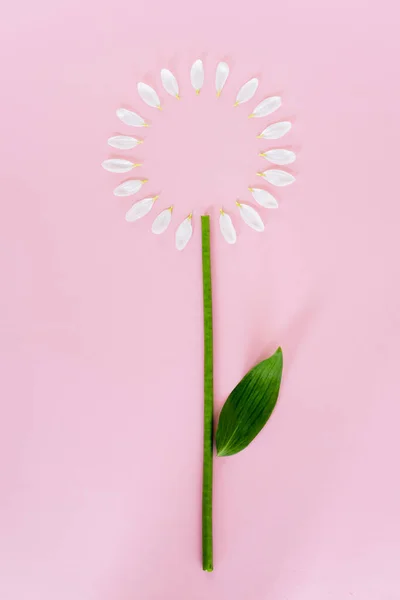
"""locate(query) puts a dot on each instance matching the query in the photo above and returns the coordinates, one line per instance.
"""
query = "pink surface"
(101, 332)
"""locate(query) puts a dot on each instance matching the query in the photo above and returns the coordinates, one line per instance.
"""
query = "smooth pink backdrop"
(101, 331)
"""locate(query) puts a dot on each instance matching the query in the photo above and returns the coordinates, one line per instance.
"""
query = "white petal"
(221, 76)
(227, 228)
(267, 106)
(279, 156)
(197, 75)
(140, 209)
(170, 83)
(184, 233)
(130, 187)
(148, 95)
(277, 177)
(250, 216)
(161, 222)
(264, 198)
(123, 142)
(118, 165)
(247, 91)
(130, 118)
(276, 130)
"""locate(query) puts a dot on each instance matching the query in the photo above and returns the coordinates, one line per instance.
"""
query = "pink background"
(101, 332)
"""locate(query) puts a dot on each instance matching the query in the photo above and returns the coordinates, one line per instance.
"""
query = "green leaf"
(249, 406)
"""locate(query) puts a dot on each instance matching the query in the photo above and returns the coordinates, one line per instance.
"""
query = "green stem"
(208, 398)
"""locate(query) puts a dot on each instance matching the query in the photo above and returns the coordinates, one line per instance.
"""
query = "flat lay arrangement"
(251, 403)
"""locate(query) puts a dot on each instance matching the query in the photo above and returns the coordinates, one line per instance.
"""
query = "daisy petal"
(276, 130)
(148, 95)
(279, 156)
(267, 106)
(184, 233)
(264, 198)
(197, 75)
(221, 76)
(162, 221)
(227, 228)
(123, 142)
(130, 118)
(277, 177)
(247, 91)
(140, 209)
(130, 187)
(118, 165)
(170, 83)
(250, 216)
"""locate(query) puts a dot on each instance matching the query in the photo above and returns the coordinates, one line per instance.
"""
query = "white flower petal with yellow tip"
(183, 233)
(279, 156)
(221, 76)
(227, 228)
(247, 91)
(118, 165)
(250, 216)
(162, 221)
(170, 83)
(130, 118)
(130, 187)
(197, 75)
(140, 209)
(267, 106)
(276, 130)
(263, 198)
(123, 142)
(148, 95)
(277, 177)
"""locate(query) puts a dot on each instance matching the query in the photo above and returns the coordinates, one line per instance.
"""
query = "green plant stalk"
(208, 399)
